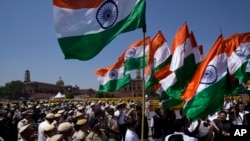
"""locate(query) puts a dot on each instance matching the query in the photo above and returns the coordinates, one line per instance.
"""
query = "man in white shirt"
(242, 111)
(180, 127)
(130, 133)
(49, 120)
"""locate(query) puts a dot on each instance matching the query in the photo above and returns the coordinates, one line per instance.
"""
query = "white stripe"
(180, 53)
(147, 77)
(235, 62)
(168, 81)
(106, 79)
(220, 62)
(198, 57)
(138, 52)
(161, 54)
(75, 22)
(245, 47)
(159, 91)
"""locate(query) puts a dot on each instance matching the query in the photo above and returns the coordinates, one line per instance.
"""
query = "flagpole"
(143, 91)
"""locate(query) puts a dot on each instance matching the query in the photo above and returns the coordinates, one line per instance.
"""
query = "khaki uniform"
(94, 136)
(112, 123)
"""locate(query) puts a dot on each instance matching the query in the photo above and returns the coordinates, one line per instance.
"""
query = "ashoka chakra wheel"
(130, 53)
(107, 14)
(113, 74)
(210, 75)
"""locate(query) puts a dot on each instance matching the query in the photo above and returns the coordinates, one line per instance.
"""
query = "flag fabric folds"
(134, 57)
(236, 57)
(159, 58)
(85, 27)
(197, 50)
(182, 61)
(113, 77)
(205, 93)
(245, 46)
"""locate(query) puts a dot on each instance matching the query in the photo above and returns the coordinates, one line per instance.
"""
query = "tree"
(99, 95)
(104, 95)
(69, 96)
(2, 91)
(14, 88)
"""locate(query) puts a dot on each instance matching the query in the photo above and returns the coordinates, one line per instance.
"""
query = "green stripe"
(115, 85)
(207, 101)
(135, 63)
(152, 80)
(240, 73)
(167, 61)
(183, 76)
(170, 101)
(88, 46)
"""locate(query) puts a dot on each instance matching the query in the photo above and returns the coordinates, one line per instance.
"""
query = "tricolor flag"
(236, 63)
(197, 50)
(205, 93)
(113, 77)
(182, 65)
(85, 27)
(236, 57)
(136, 56)
(159, 58)
(245, 46)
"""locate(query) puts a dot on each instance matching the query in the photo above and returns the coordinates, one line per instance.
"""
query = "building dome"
(60, 82)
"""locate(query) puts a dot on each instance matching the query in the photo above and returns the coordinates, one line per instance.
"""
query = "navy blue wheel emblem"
(153, 63)
(113, 74)
(107, 14)
(240, 53)
(210, 75)
(130, 53)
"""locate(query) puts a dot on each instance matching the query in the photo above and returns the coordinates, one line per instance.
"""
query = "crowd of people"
(110, 121)
(215, 127)
(72, 121)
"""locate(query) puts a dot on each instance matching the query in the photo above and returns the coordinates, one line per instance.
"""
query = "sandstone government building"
(36, 89)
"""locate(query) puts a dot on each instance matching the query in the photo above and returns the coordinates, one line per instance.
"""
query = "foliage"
(104, 95)
(69, 96)
(13, 89)
(99, 95)
(2, 91)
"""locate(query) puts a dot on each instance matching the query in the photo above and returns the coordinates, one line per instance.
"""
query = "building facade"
(36, 89)
(134, 89)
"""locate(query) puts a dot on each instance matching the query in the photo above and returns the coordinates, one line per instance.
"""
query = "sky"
(28, 39)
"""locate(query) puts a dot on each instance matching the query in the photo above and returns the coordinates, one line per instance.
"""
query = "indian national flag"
(168, 101)
(136, 56)
(236, 57)
(245, 46)
(205, 93)
(159, 58)
(182, 61)
(113, 78)
(197, 50)
(85, 27)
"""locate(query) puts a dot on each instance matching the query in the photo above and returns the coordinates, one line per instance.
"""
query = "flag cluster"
(181, 74)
